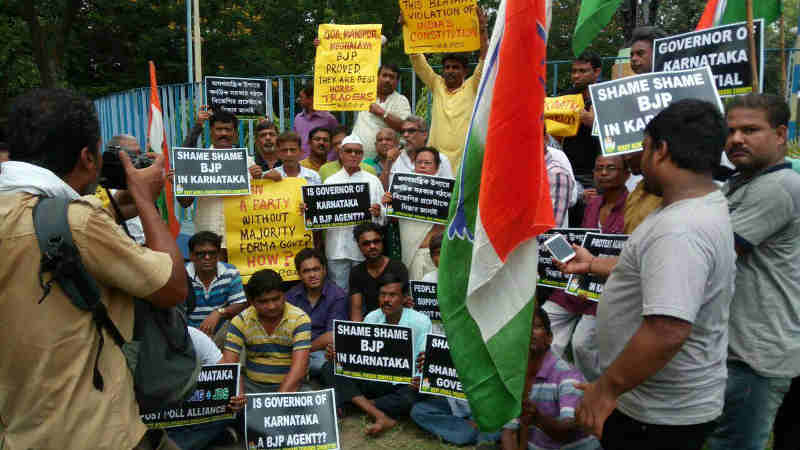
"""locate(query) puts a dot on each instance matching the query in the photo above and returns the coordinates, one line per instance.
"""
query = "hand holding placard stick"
(239, 96)
(203, 172)
(437, 27)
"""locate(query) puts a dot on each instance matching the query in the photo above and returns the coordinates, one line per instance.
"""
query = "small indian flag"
(501, 202)
(158, 143)
(722, 12)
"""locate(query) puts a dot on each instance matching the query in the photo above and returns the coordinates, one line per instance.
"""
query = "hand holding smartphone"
(560, 248)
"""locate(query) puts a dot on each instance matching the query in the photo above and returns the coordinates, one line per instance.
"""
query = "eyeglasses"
(208, 254)
(609, 169)
(353, 151)
(410, 130)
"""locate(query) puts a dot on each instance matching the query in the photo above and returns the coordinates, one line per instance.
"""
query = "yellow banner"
(562, 115)
(440, 26)
(265, 229)
(346, 67)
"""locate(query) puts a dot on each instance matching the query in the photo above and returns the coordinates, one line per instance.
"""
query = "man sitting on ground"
(388, 399)
(275, 335)
(364, 278)
(321, 299)
(550, 407)
(217, 285)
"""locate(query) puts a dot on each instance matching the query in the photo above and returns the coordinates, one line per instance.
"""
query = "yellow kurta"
(451, 110)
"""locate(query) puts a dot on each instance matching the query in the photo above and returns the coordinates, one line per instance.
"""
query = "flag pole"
(524, 421)
(784, 91)
(752, 38)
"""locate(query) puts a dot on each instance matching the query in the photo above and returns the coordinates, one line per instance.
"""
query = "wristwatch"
(221, 311)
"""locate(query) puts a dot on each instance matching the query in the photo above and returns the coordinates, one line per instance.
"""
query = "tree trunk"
(49, 42)
(628, 11)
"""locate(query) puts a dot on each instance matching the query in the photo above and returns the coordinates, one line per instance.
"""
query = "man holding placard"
(340, 247)
(390, 109)
(415, 134)
(390, 400)
(453, 94)
(210, 215)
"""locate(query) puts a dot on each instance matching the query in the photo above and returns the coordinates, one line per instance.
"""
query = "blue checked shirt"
(226, 289)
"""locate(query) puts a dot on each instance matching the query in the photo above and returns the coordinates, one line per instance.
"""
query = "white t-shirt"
(310, 175)
(204, 346)
(368, 124)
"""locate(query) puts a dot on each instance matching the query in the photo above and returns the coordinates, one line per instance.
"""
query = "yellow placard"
(346, 67)
(440, 26)
(265, 229)
(562, 115)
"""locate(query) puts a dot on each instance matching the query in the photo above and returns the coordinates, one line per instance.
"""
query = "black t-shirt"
(583, 148)
(361, 282)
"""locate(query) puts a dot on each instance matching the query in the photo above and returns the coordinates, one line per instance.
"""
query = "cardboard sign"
(425, 300)
(204, 172)
(439, 376)
(375, 352)
(440, 26)
(216, 384)
(549, 275)
(265, 230)
(336, 205)
(726, 49)
(291, 420)
(239, 96)
(624, 107)
(562, 115)
(346, 67)
(419, 197)
(599, 245)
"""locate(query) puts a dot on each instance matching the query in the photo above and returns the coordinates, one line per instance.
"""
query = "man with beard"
(390, 110)
(320, 145)
(210, 215)
(453, 95)
(364, 277)
(266, 157)
(662, 322)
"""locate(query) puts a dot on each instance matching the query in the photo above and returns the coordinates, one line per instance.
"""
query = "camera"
(112, 176)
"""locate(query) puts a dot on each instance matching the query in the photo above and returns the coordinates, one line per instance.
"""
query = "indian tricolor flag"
(501, 202)
(722, 12)
(158, 143)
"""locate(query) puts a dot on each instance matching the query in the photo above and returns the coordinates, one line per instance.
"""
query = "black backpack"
(160, 356)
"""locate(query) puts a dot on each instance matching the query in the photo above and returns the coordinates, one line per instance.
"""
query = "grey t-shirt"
(765, 313)
(679, 262)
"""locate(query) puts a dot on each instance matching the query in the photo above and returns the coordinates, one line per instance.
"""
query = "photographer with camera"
(60, 387)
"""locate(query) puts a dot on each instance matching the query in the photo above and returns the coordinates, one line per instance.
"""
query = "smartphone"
(560, 248)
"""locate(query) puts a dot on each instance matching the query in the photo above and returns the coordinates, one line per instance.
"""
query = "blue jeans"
(751, 402)
(315, 361)
(434, 415)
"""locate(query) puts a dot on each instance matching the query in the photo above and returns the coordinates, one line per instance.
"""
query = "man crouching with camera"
(60, 387)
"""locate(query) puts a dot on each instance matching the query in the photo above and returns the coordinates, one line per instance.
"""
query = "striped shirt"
(561, 184)
(269, 356)
(226, 289)
(555, 395)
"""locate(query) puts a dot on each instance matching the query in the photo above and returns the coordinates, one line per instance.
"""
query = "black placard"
(549, 275)
(239, 96)
(425, 300)
(336, 205)
(599, 245)
(292, 420)
(204, 172)
(623, 107)
(726, 49)
(439, 375)
(420, 197)
(371, 351)
(216, 384)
